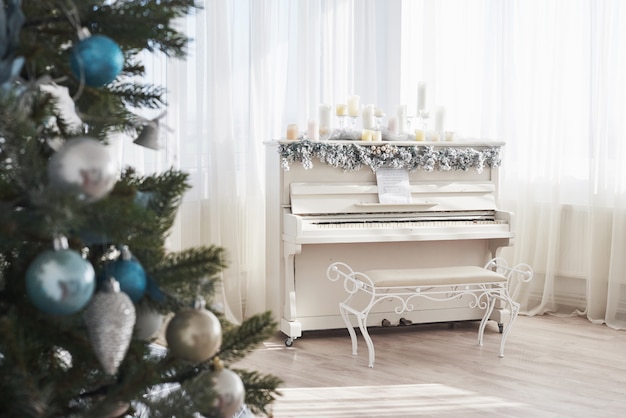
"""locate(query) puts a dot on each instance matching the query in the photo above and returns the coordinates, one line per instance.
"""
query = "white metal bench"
(485, 286)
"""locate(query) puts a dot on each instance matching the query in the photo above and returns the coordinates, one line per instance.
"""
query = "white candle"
(354, 105)
(368, 117)
(366, 135)
(419, 135)
(341, 109)
(402, 126)
(377, 136)
(313, 130)
(292, 131)
(392, 125)
(325, 110)
(440, 120)
(421, 96)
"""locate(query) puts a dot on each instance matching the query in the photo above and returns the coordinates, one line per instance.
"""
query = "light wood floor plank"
(553, 367)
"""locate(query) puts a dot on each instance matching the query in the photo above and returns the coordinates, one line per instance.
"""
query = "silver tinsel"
(110, 318)
(350, 157)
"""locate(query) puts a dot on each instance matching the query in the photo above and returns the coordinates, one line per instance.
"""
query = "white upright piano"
(323, 206)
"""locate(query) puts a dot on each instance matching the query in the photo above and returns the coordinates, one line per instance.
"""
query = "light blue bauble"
(60, 282)
(131, 277)
(100, 59)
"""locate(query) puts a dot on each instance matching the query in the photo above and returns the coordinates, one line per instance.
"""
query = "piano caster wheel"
(500, 328)
(386, 323)
(289, 341)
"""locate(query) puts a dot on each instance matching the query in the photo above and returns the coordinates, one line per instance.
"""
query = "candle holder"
(409, 122)
(341, 121)
(379, 120)
(423, 116)
(353, 122)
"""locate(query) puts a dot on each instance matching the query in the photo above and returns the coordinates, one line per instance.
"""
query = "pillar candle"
(392, 125)
(354, 105)
(421, 96)
(419, 135)
(292, 131)
(402, 126)
(325, 117)
(341, 109)
(368, 117)
(440, 120)
(377, 136)
(313, 130)
(366, 135)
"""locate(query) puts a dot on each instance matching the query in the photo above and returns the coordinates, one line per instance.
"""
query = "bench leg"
(362, 319)
(515, 307)
(346, 320)
(491, 303)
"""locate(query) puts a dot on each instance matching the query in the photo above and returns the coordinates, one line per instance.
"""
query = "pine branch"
(239, 341)
(261, 390)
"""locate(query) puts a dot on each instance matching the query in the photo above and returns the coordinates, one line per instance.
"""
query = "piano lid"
(313, 198)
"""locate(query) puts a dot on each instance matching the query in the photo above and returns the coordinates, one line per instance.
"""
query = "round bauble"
(97, 60)
(60, 282)
(148, 322)
(231, 392)
(83, 166)
(194, 335)
(130, 275)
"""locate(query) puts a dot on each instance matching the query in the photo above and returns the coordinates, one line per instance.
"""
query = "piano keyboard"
(386, 224)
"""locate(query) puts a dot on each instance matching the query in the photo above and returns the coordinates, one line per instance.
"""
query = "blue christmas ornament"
(130, 275)
(98, 59)
(153, 290)
(60, 281)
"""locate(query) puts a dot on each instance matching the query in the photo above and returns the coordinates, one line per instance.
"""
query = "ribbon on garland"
(350, 157)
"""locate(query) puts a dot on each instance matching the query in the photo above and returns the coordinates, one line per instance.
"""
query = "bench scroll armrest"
(516, 275)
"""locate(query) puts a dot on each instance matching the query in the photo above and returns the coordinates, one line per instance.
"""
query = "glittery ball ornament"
(83, 166)
(97, 60)
(110, 318)
(194, 334)
(129, 273)
(60, 281)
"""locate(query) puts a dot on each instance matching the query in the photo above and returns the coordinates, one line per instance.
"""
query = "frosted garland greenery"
(350, 157)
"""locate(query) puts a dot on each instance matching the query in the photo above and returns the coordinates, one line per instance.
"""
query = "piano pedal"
(386, 323)
(404, 321)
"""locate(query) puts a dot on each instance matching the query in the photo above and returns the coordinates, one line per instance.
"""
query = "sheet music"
(393, 185)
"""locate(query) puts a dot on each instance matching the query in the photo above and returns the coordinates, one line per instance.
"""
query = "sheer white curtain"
(546, 77)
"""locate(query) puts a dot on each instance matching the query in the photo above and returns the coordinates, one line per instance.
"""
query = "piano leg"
(289, 325)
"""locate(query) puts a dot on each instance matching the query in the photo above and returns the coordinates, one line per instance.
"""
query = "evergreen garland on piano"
(351, 156)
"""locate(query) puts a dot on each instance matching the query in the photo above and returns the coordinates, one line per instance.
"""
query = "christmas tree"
(85, 278)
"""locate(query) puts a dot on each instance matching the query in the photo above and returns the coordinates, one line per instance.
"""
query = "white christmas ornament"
(83, 166)
(148, 323)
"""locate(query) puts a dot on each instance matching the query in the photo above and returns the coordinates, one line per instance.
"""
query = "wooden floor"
(553, 367)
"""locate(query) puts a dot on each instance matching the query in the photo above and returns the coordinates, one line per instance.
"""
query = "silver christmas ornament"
(194, 334)
(231, 392)
(110, 318)
(83, 166)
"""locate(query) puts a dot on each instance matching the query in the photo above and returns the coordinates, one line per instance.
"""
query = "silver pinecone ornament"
(110, 318)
